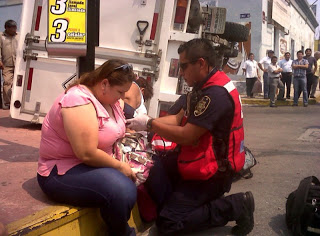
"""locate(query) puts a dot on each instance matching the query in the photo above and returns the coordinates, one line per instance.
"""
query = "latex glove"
(139, 123)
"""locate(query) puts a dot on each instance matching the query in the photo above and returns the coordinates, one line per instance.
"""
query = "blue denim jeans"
(300, 85)
(86, 186)
(265, 85)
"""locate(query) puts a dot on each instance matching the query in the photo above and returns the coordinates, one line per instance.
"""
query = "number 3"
(59, 10)
(62, 26)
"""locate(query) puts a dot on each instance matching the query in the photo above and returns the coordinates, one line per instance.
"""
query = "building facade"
(10, 10)
(280, 25)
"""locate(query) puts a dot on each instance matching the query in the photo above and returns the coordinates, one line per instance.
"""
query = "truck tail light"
(155, 19)
(30, 79)
(181, 10)
(37, 25)
(154, 26)
(163, 113)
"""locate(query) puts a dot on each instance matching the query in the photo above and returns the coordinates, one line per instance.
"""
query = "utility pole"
(87, 63)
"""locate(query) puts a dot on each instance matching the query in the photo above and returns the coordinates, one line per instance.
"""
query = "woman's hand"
(126, 170)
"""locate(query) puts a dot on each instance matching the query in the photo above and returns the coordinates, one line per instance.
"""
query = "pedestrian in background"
(250, 68)
(286, 74)
(300, 67)
(263, 65)
(311, 69)
(274, 81)
(8, 45)
(316, 75)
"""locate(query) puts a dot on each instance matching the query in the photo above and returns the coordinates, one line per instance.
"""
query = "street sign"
(67, 27)
(244, 15)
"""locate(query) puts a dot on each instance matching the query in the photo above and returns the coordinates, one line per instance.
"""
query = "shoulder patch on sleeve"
(202, 106)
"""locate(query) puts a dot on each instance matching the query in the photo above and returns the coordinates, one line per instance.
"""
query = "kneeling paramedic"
(189, 186)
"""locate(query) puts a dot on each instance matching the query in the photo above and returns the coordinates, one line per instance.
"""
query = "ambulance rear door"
(38, 79)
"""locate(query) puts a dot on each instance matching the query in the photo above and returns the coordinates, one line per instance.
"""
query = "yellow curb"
(266, 102)
(67, 220)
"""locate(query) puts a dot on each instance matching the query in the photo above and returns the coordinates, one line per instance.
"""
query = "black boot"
(245, 222)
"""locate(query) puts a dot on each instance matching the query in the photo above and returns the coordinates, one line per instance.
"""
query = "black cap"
(10, 23)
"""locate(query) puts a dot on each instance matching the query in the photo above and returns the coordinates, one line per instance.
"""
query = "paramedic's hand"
(126, 170)
(1, 65)
(139, 123)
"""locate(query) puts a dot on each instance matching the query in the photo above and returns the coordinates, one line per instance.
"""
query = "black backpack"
(303, 208)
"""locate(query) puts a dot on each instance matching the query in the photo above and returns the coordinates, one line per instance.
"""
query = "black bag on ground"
(303, 208)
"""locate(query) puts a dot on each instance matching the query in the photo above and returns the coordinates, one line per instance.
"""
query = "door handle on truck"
(142, 27)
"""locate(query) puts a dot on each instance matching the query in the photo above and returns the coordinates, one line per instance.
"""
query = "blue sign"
(244, 15)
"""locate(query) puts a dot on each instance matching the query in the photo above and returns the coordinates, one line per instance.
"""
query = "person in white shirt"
(263, 65)
(250, 69)
(286, 74)
(274, 81)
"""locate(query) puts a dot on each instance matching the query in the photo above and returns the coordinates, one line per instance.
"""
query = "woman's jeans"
(85, 186)
(300, 85)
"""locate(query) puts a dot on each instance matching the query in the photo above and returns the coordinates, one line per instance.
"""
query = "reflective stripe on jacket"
(200, 162)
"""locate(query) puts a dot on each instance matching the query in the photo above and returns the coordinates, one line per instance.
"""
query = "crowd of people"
(278, 76)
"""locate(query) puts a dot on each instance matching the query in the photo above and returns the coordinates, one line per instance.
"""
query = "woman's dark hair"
(148, 89)
(250, 54)
(198, 48)
(112, 70)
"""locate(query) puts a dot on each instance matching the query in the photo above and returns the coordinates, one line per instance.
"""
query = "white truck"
(145, 33)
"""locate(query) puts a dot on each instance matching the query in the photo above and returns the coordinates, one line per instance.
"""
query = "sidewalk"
(260, 101)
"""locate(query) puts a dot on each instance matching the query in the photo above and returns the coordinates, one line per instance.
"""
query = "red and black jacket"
(201, 161)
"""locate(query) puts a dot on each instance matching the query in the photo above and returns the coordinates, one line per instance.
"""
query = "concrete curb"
(260, 101)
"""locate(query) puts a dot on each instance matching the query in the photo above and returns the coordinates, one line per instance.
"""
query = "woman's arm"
(81, 127)
(133, 96)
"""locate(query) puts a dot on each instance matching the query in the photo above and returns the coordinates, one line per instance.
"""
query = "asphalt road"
(285, 141)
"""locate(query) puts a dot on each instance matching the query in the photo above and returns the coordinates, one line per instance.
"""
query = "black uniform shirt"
(214, 111)
(181, 103)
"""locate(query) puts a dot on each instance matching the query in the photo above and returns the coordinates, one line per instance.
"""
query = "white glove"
(139, 123)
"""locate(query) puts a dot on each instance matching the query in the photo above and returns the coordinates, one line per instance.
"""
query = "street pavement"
(285, 141)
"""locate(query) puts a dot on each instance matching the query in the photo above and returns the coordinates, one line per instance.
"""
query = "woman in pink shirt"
(76, 165)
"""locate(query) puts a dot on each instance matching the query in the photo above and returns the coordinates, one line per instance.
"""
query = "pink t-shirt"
(55, 148)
